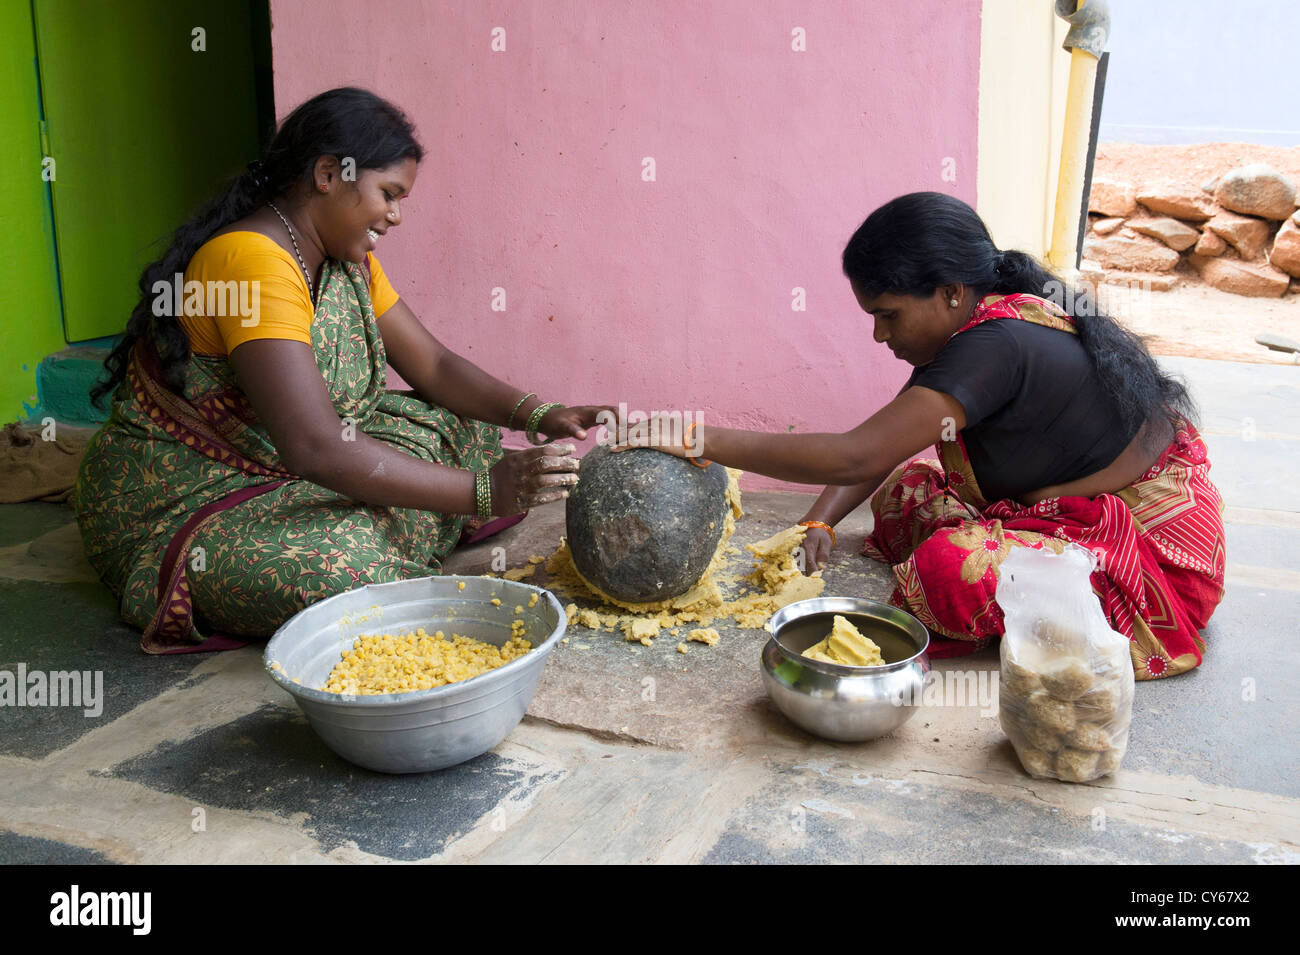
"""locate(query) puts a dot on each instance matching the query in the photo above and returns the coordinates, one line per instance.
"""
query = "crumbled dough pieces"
(779, 576)
(589, 619)
(460, 585)
(640, 630)
(519, 573)
(681, 648)
(706, 635)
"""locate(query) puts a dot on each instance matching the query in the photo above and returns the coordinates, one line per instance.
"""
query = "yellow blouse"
(284, 308)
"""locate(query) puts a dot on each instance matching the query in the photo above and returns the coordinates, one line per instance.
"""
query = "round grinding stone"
(638, 522)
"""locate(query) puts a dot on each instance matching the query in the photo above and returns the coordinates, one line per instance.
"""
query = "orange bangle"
(826, 527)
(686, 441)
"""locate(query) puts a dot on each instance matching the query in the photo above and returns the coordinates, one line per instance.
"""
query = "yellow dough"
(385, 663)
(847, 647)
(640, 630)
(706, 635)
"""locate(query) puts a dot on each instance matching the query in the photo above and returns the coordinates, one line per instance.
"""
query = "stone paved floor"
(706, 770)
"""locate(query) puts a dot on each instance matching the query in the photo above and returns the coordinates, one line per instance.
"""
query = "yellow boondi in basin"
(847, 647)
(417, 661)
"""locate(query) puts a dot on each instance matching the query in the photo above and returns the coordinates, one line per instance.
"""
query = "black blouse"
(1036, 414)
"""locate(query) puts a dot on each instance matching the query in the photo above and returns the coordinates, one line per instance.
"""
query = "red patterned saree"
(1159, 541)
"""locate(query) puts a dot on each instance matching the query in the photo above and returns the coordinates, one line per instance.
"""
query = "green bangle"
(483, 493)
(510, 422)
(535, 422)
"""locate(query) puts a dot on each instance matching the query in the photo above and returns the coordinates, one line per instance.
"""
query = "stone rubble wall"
(1239, 232)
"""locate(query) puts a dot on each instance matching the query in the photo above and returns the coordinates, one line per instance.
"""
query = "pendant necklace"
(296, 251)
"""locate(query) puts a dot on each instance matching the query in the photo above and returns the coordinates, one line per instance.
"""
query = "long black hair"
(916, 243)
(344, 122)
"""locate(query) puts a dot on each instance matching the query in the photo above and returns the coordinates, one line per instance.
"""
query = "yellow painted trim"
(1074, 160)
(1023, 86)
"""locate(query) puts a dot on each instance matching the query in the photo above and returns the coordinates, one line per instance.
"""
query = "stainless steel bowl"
(844, 703)
(425, 729)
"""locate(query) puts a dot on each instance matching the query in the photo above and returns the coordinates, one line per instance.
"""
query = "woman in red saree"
(1051, 425)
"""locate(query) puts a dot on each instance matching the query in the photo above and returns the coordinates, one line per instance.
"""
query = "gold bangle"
(535, 422)
(510, 422)
(686, 447)
(824, 526)
(483, 494)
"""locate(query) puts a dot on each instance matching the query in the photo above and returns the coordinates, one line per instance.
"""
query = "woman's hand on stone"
(662, 432)
(524, 479)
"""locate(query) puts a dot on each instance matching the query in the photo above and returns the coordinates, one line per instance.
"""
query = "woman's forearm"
(837, 502)
(860, 459)
(463, 388)
(801, 458)
(374, 472)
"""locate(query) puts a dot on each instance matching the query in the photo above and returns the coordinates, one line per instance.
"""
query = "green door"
(148, 105)
(30, 326)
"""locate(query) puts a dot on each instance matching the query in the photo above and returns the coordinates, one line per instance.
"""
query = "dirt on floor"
(1196, 163)
(1202, 322)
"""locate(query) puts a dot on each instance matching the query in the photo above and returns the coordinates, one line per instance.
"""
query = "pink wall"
(672, 294)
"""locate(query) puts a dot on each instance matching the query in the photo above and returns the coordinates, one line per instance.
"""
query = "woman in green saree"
(254, 461)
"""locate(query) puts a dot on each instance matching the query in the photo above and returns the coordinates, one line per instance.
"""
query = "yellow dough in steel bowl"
(846, 646)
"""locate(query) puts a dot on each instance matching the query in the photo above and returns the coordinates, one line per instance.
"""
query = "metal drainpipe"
(1086, 40)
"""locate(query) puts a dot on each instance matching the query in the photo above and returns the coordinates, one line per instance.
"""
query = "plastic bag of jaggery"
(1066, 697)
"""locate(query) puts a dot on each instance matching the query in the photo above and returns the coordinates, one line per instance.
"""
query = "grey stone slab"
(1259, 473)
(25, 522)
(271, 761)
(1204, 723)
(29, 850)
(1259, 545)
(1228, 393)
(802, 817)
(74, 626)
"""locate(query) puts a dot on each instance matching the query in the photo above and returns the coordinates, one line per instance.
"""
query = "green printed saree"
(188, 516)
